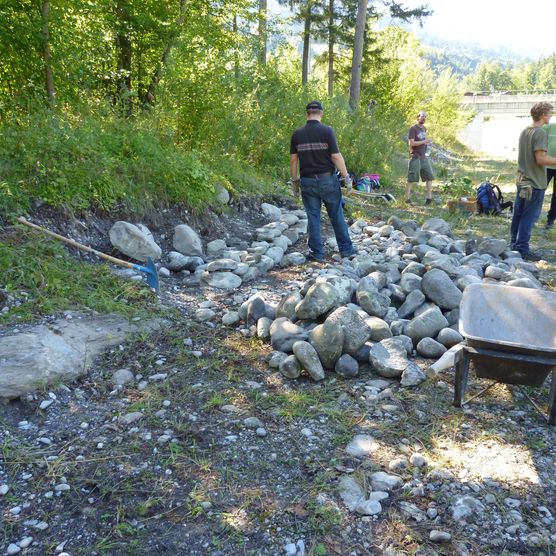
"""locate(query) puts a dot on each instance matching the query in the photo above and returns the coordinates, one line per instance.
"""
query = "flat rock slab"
(59, 351)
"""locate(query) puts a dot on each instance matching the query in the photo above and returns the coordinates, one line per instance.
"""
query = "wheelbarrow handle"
(78, 245)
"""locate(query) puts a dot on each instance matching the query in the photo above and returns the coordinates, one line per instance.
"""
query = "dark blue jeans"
(526, 213)
(315, 191)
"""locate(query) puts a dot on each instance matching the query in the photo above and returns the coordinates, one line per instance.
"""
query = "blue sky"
(526, 29)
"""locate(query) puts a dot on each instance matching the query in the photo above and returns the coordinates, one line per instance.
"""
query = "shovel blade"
(152, 275)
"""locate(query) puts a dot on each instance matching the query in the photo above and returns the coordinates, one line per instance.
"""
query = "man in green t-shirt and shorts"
(419, 163)
(531, 179)
(551, 174)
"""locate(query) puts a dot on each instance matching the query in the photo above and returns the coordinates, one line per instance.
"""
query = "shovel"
(384, 196)
(149, 270)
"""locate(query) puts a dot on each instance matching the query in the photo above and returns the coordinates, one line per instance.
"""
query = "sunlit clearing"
(490, 458)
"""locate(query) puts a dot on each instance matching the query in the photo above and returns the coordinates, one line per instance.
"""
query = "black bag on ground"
(490, 199)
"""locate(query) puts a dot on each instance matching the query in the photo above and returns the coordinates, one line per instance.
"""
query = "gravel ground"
(208, 451)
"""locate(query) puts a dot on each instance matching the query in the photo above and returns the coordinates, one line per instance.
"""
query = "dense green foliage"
(538, 76)
(155, 102)
(41, 274)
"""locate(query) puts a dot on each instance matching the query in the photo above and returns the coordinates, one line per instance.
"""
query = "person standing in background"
(531, 179)
(314, 157)
(419, 163)
(551, 174)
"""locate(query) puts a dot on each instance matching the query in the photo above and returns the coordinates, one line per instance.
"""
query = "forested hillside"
(144, 102)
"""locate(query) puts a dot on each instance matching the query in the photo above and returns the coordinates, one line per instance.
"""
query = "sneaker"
(549, 225)
(311, 257)
(428, 201)
(530, 256)
(408, 202)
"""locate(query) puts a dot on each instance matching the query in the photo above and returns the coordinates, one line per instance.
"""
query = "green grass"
(44, 279)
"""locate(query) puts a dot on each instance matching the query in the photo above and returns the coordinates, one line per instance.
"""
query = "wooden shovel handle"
(76, 244)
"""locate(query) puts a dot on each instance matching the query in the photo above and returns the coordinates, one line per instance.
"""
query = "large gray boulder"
(427, 347)
(356, 331)
(319, 299)
(187, 241)
(492, 246)
(328, 340)
(177, 262)
(133, 241)
(221, 280)
(440, 289)
(284, 333)
(426, 324)
(272, 212)
(389, 357)
(413, 301)
(410, 282)
(379, 329)
(373, 302)
(309, 360)
(437, 225)
(286, 306)
(344, 285)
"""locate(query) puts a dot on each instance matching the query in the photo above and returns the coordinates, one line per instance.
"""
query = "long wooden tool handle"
(76, 244)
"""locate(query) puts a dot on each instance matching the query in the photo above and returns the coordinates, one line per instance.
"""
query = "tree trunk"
(306, 46)
(331, 40)
(236, 53)
(262, 31)
(123, 46)
(49, 76)
(150, 94)
(355, 85)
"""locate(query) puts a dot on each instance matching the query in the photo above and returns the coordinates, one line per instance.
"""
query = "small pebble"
(25, 542)
(440, 536)
(63, 487)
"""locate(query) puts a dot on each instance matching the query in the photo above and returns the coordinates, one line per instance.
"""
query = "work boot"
(311, 257)
(352, 253)
(531, 256)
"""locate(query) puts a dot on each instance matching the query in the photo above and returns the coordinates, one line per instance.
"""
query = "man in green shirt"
(551, 174)
(531, 179)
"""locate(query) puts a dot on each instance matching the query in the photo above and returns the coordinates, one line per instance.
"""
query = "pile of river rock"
(398, 297)
(220, 266)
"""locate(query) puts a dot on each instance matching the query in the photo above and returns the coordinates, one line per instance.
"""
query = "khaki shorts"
(419, 167)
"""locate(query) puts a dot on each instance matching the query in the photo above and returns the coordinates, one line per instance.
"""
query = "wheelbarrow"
(510, 339)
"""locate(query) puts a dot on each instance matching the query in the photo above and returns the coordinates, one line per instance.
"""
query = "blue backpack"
(490, 199)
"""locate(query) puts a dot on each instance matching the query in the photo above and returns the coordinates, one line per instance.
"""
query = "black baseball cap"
(314, 105)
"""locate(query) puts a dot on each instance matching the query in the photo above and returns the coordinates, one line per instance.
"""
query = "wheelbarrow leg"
(462, 374)
(552, 401)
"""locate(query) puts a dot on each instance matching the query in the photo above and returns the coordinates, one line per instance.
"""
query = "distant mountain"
(465, 58)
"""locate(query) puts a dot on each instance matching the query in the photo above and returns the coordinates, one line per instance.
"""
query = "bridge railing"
(510, 92)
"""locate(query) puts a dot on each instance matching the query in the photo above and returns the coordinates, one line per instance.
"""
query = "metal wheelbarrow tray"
(510, 335)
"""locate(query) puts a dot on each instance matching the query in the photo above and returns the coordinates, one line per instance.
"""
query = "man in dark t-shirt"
(314, 157)
(419, 163)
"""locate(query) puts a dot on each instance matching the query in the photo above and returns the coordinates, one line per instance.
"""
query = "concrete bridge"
(499, 119)
(507, 102)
